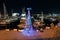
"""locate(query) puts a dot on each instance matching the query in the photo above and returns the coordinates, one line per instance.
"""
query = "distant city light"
(54, 14)
(32, 17)
(35, 20)
(37, 14)
(23, 18)
(23, 14)
(15, 14)
(52, 19)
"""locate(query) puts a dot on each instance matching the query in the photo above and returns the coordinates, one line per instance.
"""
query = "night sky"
(37, 5)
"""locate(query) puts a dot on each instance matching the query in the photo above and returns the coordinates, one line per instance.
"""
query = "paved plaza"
(16, 35)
